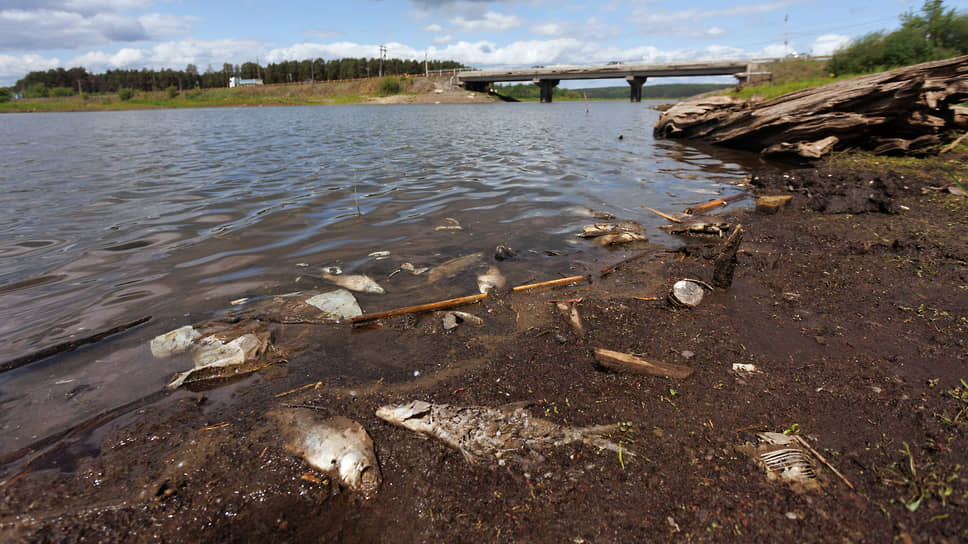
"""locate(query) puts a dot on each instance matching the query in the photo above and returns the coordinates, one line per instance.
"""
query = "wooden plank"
(624, 362)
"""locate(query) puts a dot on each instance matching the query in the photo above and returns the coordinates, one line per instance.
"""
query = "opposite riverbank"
(413, 90)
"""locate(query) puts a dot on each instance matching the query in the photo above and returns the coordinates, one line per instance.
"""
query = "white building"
(239, 82)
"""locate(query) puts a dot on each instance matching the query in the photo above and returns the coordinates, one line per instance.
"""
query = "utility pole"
(426, 66)
(383, 56)
(786, 35)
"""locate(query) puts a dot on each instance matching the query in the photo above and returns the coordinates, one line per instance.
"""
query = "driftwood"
(715, 203)
(899, 111)
(625, 362)
(726, 260)
(552, 283)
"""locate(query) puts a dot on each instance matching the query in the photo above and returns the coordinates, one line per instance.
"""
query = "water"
(111, 216)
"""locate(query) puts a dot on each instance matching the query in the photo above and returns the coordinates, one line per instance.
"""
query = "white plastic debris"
(686, 293)
(378, 255)
(336, 305)
(212, 353)
(172, 342)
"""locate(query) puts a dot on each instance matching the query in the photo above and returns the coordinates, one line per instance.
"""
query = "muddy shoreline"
(851, 302)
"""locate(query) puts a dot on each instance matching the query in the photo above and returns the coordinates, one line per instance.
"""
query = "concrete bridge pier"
(635, 82)
(546, 87)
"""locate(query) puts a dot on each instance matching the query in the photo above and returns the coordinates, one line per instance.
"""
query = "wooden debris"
(821, 458)
(900, 111)
(300, 388)
(440, 305)
(716, 229)
(552, 283)
(569, 310)
(69, 346)
(726, 260)
(625, 362)
(663, 215)
(705, 207)
(953, 144)
(772, 204)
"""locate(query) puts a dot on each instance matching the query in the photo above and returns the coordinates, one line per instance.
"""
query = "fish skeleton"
(338, 446)
(480, 431)
(357, 282)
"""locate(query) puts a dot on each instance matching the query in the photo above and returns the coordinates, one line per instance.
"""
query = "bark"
(899, 111)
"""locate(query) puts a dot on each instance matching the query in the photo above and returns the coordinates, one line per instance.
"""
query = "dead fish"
(601, 229)
(453, 266)
(409, 267)
(588, 212)
(172, 342)
(502, 253)
(449, 223)
(490, 279)
(338, 446)
(378, 255)
(454, 318)
(480, 431)
(356, 282)
(784, 459)
(620, 238)
(334, 270)
(718, 229)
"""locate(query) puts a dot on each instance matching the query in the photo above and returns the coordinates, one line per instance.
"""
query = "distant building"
(239, 82)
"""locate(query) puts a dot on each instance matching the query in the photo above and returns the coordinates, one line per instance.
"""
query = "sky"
(102, 35)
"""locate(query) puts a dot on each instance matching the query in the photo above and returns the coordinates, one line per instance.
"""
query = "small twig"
(216, 426)
(552, 283)
(663, 215)
(824, 461)
(953, 144)
(302, 406)
(300, 388)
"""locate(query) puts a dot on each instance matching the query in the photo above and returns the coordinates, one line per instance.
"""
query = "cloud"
(441, 40)
(828, 44)
(52, 29)
(590, 29)
(665, 21)
(433, 28)
(491, 22)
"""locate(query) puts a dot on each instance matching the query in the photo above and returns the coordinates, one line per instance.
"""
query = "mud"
(851, 303)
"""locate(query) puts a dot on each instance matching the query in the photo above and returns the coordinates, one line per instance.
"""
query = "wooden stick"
(449, 303)
(68, 346)
(630, 363)
(552, 283)
(713, 203)
(822, 460)
(953, 144)
(298, 389)
(663, 215)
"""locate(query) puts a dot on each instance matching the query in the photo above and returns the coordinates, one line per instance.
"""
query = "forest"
(66, 82)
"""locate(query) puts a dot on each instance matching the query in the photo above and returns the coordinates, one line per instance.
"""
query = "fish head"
(413, 415)
(360, 472)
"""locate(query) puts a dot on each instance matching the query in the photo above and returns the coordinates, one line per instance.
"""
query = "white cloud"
(714, 31)
(55, 29)
(441, 40)
(491, 22)
(659, 20)
(433, 28)
(828, 44)
(551, 30)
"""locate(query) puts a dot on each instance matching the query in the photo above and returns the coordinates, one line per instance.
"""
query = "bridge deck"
(608, 71)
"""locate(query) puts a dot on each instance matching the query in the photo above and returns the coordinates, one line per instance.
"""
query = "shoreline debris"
(337, 446)
(479, 432)
(357, 282)
(490, 280)
(337, 305)
(686, 293)
(715, 203)
(453, 318)
(453, 266)
(725, 263)
(625, 362)
(449, 223)
(224, 359)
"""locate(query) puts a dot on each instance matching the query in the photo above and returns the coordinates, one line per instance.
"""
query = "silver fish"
(337, 446)
(356, 282)
(490, 279)
(452, 267)
(480, 431)
(601, 229)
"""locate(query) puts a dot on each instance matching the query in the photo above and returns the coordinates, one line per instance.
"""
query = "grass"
(320, 93)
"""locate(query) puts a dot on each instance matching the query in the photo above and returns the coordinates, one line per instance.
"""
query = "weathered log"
(726, 260)
(624, 362)
(901, 110)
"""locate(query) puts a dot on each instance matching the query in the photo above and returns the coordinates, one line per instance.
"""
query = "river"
(111, 216)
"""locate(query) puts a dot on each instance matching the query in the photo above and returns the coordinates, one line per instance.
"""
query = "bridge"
(634, 74)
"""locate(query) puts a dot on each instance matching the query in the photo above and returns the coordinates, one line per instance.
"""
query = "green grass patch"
(773, 90)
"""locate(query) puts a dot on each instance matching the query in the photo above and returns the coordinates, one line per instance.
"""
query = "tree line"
(933, 34)
(60, 81)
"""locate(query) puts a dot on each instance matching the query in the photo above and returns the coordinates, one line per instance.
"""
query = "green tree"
(125, 93)
(6, 95)
(933, 34)
(172, 91)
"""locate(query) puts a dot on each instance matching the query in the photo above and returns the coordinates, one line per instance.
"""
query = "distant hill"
(527, 91)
